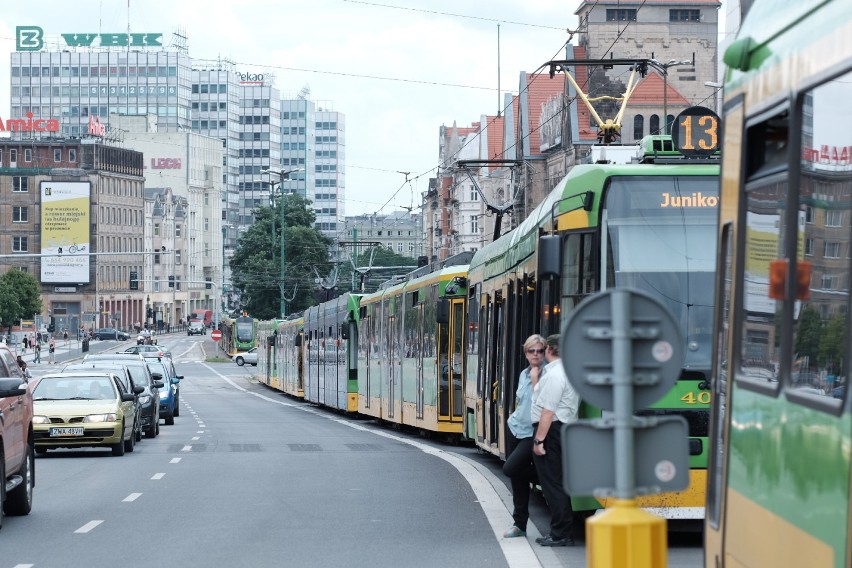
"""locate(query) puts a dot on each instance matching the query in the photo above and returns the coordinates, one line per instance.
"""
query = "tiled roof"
(495, 138)
(649, 91)
(540, 89)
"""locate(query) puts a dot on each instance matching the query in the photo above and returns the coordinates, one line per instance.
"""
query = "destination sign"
(695, 132)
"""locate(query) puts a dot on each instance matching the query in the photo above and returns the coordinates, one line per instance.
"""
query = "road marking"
(186, 449)
(517, 551)
(200, 432)
(132, 497)
(174, 460)
(194, 438)
(23, 566)
(87, 527)
(158, 476)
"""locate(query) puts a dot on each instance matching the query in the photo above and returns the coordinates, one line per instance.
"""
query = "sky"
(397, 69)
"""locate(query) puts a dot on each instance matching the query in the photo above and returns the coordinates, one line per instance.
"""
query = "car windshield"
(74, 388)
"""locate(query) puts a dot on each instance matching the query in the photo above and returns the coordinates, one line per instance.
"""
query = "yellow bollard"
(625, 536)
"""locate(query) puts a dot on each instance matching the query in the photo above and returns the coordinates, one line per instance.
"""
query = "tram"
(780, 473)
(647, 225)
(238, 334)
(331, 374)
(265, 335)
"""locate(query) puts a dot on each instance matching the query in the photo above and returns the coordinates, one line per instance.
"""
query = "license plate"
(66, 432)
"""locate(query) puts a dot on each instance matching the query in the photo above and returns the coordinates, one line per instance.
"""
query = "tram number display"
(695, 132)
(702, 397)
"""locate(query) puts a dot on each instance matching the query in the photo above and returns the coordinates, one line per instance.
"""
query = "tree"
(832, 347)
(382, 257)
(809, 334)
(20, 297)
(256, 263)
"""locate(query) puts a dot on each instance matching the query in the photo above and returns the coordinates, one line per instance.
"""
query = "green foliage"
(20, 297)
(809, 334)
(382, 257)
(832, 347)
(256, 263)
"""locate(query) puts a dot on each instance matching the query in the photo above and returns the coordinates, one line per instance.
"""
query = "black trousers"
(549, 468)
(521, 471)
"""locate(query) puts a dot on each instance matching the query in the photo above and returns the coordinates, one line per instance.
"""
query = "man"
(554, 403)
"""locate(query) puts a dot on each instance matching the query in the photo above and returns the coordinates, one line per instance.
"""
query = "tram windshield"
(661, 238)
(245, 329)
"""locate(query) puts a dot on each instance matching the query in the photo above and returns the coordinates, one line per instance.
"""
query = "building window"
(20, 215)
(13, 157)
(809, 247)
(57, 155)
(28, 154)
(638, 127)
(682, 15)
(156, 258)
(655, 124)
(206, 224)
(20, 184)
(474, 225)
(809, 214)
(474, 195)
(177, 257)
(156, 229)
(19, 244)
(621, 15)
(833, 218)
(830, 250)
(72, 154)
(177, 230)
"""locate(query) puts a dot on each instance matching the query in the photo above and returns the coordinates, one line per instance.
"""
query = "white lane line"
(517, 551)
(158, 476)
(186, 449)
(23, 566)
(194, 438)
(174, 460)
(200, 432)
(87, 527)
(132, 497)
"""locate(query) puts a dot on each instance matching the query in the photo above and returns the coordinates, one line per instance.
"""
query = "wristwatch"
(537, 442)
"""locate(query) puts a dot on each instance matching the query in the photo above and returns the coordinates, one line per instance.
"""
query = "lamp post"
(147, 310)
(664, 69)
(283, 175)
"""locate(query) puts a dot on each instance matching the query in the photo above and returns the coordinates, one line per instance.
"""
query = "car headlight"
(145, 398)
(41, 420)
(111, 417)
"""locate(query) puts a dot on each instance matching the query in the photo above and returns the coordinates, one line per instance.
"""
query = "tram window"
(473, 334)
(767, 146)
(818, 366)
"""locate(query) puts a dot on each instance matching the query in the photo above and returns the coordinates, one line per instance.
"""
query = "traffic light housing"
(171, 281)
(208, 284)
(134, 280)
(150, 313)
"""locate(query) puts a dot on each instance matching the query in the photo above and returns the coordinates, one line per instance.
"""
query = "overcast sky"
(398, 69)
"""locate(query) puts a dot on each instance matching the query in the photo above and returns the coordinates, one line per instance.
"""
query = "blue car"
(169, 390)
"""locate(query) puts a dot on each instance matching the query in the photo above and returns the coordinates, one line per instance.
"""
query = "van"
(204, 316)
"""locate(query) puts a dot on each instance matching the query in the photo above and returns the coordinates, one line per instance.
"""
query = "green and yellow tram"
(780, 475)
(646, 225)
(330, 377)
(267, 366)
(238, 334)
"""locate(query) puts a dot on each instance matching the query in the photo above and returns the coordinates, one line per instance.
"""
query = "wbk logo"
(29, 38)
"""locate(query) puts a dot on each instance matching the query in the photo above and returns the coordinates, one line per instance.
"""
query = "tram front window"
(661, 239)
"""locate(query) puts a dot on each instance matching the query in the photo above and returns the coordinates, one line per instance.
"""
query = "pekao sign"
(251, 78)
(165, 163)
(31, 38)
(29, 124)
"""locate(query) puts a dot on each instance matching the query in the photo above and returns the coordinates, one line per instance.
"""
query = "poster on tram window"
(65, 232)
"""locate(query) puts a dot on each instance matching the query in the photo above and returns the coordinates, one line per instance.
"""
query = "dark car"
(150, 399)
(111, 333)
(123, 374)
(169, 390)
(196, 328)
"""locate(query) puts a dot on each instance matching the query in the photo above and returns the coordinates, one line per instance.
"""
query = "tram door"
(451, 365)
(391, 364)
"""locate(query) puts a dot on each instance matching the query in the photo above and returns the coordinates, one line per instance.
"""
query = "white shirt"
(555, 393)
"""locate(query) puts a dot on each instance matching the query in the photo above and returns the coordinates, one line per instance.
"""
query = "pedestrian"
(26, 341)
(51, 352)
(37, 352)
(25, 371)
(65, 334)
(554, 403)
(519, 463)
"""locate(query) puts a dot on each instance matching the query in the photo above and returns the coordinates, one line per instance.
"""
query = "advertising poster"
(65, 235)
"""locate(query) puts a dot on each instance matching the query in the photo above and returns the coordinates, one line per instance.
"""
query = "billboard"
(65, 236)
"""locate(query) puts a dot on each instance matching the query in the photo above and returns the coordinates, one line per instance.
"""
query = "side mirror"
(159, 384)
(138, 390)
(12, 387)
(179, 377)
(157, 376)
(128, 397)
(298, 341)
(549, 257)
(175, 380)
(443, 311)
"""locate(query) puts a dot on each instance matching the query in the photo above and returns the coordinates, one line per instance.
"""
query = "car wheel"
(240, 361)
(254, 364)
(157, 427)
(19, 501)
(152, 431)
(177, 406)
(118, 449)
(2, 485)
(170, 419)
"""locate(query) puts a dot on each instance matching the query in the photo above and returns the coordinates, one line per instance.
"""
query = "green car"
(84, 409)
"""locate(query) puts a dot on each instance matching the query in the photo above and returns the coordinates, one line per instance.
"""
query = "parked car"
(149, 351)
(72, 410)
(196, 327)
(150, 399)
(168, 392)
(111, 333)
(123, 374)
(17, 460)
(243, 357)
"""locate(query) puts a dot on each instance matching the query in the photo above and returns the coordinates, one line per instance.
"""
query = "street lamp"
(664, 69)
(283, 175)
(147, 310)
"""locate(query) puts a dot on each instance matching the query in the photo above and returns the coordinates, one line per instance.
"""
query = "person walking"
(37, 352)
(554, 403)
(51, 352)
(519, 465)
(26, 342)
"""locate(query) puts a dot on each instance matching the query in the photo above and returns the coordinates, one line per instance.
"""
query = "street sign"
(215, 335)
(587, 347)
(662, 456)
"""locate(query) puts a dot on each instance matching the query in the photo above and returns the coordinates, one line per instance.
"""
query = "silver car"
(244, 357)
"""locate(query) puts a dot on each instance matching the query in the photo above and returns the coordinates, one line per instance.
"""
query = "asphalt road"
(249, 477)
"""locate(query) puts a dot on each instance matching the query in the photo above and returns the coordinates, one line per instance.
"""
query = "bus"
(780, 472)
(238, 334)
(648, 225)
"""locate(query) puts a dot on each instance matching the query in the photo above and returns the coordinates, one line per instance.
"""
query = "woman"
(519, 463)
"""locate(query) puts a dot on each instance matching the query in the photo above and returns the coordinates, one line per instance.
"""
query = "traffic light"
(134, 280)
(150, 313)
(208, 284)
(171, 281)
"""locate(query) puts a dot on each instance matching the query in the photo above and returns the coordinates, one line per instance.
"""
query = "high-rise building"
(329, 170)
